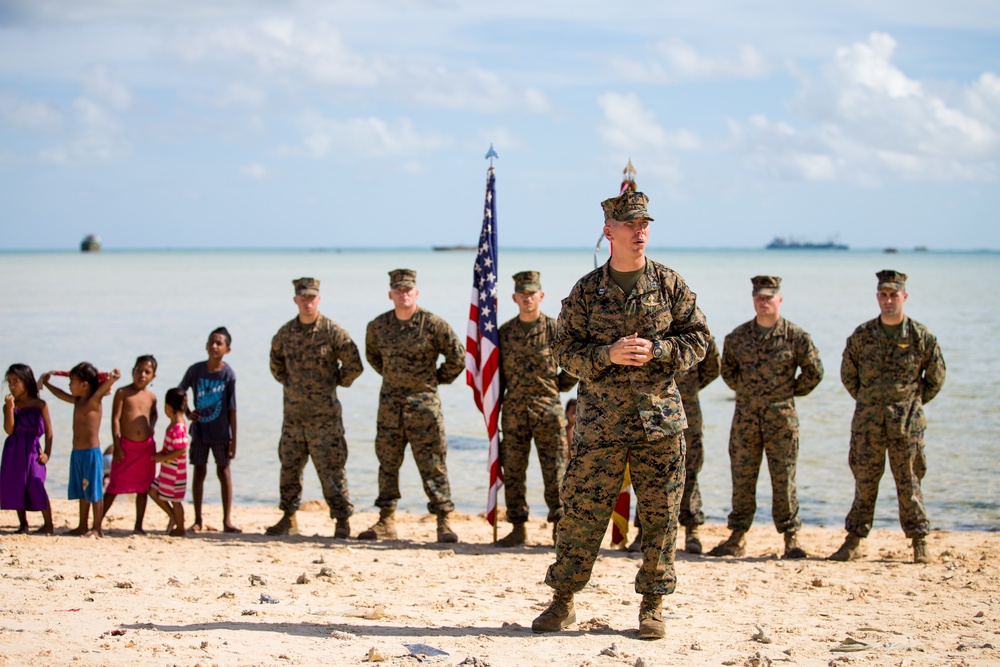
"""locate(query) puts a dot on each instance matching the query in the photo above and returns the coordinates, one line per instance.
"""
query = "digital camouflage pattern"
(310, 362)
(890, 379)
(625, 413)
(689, 383)
(763, 369)
(405, 353)
(532, 409)
(627, 206)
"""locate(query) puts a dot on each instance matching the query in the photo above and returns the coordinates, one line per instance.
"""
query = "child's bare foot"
(230, 528)
(178, 532)
(96, 532)
(47, 529)
(138, 531)
(171, 525)
(79, 530)
(22, 529)
(196, 527)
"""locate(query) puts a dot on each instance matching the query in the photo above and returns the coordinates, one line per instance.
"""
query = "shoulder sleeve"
(348, 355)
(573, 348)
(933, 369)
(454, 352)
(807, 358)
(372, 352)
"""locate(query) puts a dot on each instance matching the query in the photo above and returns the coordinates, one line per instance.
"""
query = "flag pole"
(482, 343)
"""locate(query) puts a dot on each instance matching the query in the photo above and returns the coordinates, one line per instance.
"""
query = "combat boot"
(849, 550)
(515, 538)
(445, 533)
(920, 554)
(560, 613)
(692, 544)
(383, 529)
(735, 545)
(287, 525)
(651, 617)
(343, 529)
(636, 545)
(792, 548)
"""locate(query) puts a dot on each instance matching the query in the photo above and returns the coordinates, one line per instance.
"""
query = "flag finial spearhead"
(491, 154)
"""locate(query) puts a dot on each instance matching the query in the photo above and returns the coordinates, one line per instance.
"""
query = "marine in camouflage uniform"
(405, 351)
(689, 384)
(625, 345)
(891, 366)
(311, 356)
(532, 382)
(761, 360)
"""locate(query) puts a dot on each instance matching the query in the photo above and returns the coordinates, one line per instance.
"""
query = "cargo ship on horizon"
(783, 243)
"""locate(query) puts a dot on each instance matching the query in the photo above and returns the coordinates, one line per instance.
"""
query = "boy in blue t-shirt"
(214, 424)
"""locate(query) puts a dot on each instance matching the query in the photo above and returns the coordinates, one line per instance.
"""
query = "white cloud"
(97, 83)
(99, 137)
(364, 137)
(680, 61)
(256, 171)
(241, 96)
(870, 121)
(632, 128)
(28, 114)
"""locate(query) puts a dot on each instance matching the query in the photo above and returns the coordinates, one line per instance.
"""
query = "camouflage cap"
(889, 279)
(528, 281)
(626, 207)
(402, 278)
(767, 285)
(306, 287)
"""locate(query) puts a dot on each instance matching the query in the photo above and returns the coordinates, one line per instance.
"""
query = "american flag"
(482, 344)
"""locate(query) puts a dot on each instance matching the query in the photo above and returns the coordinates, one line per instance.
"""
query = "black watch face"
(657, 351)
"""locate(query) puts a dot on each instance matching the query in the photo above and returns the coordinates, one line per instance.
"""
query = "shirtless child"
(86, 467)
(133, 417)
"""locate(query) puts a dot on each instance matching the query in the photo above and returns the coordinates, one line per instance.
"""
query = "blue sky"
(364, 124)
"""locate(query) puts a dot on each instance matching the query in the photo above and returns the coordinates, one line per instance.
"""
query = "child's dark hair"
(224, 332)
(571, 403)
(23, 373)
(176, 398)
(85, 372)
(142, 359)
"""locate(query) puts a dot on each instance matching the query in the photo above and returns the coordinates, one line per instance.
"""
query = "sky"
(308, 124)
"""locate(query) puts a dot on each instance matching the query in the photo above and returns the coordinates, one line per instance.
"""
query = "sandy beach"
(248, 599)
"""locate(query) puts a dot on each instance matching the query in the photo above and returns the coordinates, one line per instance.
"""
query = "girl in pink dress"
(22, 468)
(169, 487)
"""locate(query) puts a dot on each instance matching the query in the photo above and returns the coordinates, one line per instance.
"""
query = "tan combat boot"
(445, 533)
(920, 554)
(735, 545)
(651, 617)
(383, 529)
(692, 544)
(343, 529)
(561, 613)
(636, 545)
(287, 525)
(792, 548)
(849, 550)
(515, 538)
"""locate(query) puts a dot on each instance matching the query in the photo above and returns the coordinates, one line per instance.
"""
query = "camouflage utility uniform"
(689, 383)
(532, 409)
(625, 413)
(405, 354)
(311, 361)
(890, 379)
(760, 366)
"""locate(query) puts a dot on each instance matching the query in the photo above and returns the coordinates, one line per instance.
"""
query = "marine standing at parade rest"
(625, 330)
(891, 367)
(689, 384)
(403, 346)
(311, 356)
(531, 382)
(761, 360)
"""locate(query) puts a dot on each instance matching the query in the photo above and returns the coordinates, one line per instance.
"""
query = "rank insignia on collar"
(600, 291)
(903, 346)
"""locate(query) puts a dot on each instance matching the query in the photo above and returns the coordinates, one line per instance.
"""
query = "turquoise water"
(62, 308)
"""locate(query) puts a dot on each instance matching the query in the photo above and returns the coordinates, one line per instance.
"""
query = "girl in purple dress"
(22, 468)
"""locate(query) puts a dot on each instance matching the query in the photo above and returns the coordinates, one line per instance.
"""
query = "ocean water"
(62, 308)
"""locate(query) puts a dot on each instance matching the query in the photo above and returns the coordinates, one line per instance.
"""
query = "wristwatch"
(657, 349)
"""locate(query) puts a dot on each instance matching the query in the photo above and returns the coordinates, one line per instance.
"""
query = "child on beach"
(86, 467)
(168, 488)
(22, 468)
(133, 417)
(214, 427)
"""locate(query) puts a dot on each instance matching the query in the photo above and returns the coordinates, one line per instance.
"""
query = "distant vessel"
(891, 251)
(444, 248)
(782, 243)
(920, 248)
(90, 243)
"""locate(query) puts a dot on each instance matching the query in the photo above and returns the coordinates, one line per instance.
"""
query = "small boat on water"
(789, 243)
(90, 243)
(446, 248)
